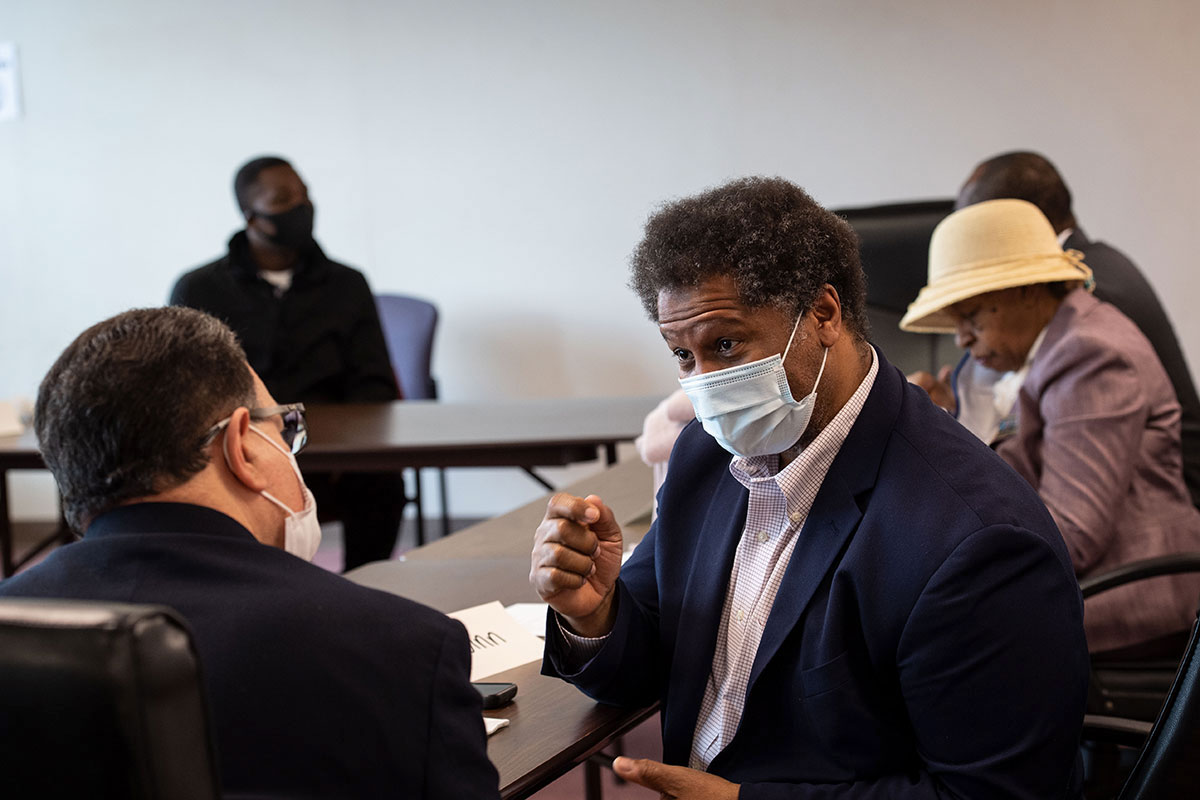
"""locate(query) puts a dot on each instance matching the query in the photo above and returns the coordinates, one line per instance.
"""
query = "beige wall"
(499, 158)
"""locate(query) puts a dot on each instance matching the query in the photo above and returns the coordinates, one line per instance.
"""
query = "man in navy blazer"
(173, 457)
(864, 601)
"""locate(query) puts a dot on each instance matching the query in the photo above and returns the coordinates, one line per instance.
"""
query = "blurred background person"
(1097, 423)
(310, 330)
(984, 398)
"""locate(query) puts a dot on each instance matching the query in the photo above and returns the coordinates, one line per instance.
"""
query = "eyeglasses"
(295, 427)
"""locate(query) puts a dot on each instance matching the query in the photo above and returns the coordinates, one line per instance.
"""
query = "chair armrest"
(1115, 730)
(1140, 570)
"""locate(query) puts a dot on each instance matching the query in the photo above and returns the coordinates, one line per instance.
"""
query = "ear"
(827, 311)
(244, 453)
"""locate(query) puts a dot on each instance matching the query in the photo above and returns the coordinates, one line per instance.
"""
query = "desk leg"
(529, 471)
(610, 452)
(592, 788)
(445, 503)
(6, 543)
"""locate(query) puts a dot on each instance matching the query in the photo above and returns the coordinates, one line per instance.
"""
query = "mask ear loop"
(264, 492)
(824, 356)
(787, 349)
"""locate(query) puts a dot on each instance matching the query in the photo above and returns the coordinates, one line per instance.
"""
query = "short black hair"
(1023, 175)
(779, 246)
(124, 411)
(247, 176)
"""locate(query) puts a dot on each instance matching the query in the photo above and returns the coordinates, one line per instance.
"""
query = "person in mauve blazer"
(1098, 437)
(1032, 177)
(1097, 430)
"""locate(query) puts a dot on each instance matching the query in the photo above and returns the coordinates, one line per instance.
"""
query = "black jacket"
(1121, 283)
(317, 687)
(319, 342)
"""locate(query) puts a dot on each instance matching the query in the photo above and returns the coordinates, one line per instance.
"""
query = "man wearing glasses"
(178, 466)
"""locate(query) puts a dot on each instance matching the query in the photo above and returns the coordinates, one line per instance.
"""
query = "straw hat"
(985, 247)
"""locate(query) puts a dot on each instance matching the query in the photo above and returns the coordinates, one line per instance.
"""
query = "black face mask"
(294, 227)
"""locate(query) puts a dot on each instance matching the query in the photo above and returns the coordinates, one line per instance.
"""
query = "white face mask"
(301, 530)
(749, 408)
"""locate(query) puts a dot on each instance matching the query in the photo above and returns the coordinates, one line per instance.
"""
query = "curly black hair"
(777, 243)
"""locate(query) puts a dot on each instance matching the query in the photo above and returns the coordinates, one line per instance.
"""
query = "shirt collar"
(310, 265)
(165, 518)
(1006, 387)
(812, 461)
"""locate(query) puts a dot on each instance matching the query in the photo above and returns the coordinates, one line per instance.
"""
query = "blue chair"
(409, 324)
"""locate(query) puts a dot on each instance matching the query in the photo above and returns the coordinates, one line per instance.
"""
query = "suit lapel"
(835, 513)
(705, 597)
(833, 519)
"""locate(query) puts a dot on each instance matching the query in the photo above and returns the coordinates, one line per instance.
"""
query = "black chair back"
(894, 248)
(1169, 764)
(101, 700)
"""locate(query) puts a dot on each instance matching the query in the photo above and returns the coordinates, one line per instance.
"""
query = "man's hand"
(674, 783)
(575, 561)
(939, 389)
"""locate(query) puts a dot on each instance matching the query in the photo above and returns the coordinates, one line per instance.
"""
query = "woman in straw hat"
(1096, 427)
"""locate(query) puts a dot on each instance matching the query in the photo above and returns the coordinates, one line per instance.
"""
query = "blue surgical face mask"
(749, 408)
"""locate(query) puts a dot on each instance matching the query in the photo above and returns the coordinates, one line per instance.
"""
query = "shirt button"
(740, 615)
(762, 536)
(794, 516)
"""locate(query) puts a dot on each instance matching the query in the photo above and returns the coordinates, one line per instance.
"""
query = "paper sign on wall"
(498, 642)
(10, 100)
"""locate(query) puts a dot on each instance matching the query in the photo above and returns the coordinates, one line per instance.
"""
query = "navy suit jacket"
(317, 687)
(927, 639)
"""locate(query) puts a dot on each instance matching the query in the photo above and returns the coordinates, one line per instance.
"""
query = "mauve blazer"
(1098, 437)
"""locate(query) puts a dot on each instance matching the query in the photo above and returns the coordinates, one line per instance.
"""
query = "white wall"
(499, 158)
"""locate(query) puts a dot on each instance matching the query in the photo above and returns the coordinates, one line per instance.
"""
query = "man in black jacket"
(178, 465)
(310, 330)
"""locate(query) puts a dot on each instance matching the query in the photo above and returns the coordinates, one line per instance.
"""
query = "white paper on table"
(531, 616)
(498, 642)
(493, 724)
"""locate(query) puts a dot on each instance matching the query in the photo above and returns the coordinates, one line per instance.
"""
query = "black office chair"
(1168, 765)
(101, 700)
(1125, 696)
(894, 248)
(409, 324)
(1134, 688)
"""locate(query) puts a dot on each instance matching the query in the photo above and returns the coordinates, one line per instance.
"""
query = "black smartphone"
(496, 694)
